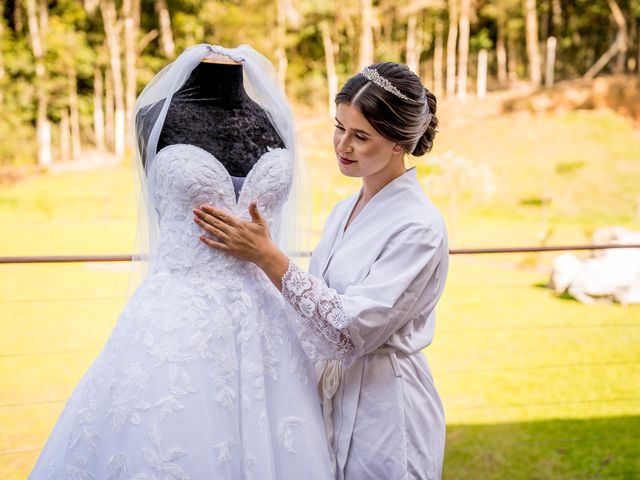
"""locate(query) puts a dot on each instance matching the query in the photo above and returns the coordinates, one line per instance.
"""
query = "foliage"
(75, 38)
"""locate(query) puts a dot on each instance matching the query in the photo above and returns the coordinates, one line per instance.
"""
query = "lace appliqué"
(320, 311)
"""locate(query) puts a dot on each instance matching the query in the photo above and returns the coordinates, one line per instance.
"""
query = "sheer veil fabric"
(261, 85)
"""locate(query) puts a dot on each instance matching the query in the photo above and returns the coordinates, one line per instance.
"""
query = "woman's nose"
(344, 145)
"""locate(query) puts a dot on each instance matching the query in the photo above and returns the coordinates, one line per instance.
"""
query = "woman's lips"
(345, 161)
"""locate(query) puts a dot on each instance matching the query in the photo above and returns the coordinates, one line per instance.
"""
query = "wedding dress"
(200, 378)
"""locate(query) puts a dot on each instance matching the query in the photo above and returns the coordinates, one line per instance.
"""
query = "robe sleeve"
(333, 326)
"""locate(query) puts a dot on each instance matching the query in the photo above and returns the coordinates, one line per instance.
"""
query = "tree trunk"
(37, 35)
(43, 18)
(512, 60)
(98, 110)
(501, 53)
(65, 136)
(330, 61)
(633, 45)
(17, 17)
(621, 37)
(420, 35)
(108, 9)
(74, 114)
(131, 15)
(438, 54)
(3, 72)
(463, 48)
(167, 46)
(109, 110)
(412, 55)
(481, 88)
(551, 62)
(535, 75)
(618, 47)
(365, 56)
(556, 17)
(387, 22)
(451, 47)
(281, 52)
(90, 6)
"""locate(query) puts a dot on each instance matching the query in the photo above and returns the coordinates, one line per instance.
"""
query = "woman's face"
(360, 150)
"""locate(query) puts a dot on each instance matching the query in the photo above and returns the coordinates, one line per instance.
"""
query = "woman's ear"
(396, 149)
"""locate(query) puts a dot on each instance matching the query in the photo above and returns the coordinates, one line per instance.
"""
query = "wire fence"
(602, 398)
(454, 251)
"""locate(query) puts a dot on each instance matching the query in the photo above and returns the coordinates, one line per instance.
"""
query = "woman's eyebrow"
(357, 130)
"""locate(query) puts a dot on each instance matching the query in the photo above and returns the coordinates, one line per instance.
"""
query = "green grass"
(534, 386)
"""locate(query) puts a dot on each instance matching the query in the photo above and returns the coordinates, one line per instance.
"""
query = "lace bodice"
(185, 177)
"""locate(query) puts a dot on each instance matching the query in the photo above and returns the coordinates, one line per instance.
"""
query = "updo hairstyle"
(411, 122)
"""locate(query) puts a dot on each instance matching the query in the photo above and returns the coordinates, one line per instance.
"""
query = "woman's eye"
(340, 128)
(360, 137)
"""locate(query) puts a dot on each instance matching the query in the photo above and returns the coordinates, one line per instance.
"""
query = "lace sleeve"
(321, 323)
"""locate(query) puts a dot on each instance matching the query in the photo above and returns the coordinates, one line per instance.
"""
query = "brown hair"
(410, 122)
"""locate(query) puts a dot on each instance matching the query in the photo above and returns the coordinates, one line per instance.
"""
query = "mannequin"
(213, 111)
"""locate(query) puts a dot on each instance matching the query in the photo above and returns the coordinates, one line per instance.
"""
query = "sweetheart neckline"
(229, 179)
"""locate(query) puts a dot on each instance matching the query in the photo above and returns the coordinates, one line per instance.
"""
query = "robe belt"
(328, 386)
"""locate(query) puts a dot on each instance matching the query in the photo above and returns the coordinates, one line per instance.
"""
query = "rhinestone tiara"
(373, 75)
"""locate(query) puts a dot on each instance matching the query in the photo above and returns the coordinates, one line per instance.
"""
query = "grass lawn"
(534, 386)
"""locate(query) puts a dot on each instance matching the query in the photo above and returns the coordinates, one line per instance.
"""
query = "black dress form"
(213, 111)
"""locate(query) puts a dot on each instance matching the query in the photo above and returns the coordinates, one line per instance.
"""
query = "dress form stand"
(213, 111)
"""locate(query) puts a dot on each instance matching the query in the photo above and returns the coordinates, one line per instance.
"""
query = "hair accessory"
(373, 75)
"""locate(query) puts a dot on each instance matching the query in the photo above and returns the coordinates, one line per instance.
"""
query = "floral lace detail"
(322, 323)
(285, 432)
(185, 177)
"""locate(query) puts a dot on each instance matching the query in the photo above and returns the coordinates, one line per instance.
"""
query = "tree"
(366, 34)
(463, 48)
(330, 60)
(533, 51)
(618, 47)
(412, 49)
(451, 47)
(413, 11)
(281, 32)
(438, 55)
(98, 109)
(111, 29)
(37, 20)
(3, 70)
(167, 45)
(131, 17)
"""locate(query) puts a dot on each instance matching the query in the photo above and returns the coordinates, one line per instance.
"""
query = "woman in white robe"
(367, 305)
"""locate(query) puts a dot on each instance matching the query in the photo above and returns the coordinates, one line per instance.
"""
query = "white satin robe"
(369, 300)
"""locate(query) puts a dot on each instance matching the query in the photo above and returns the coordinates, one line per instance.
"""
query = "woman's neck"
(372, 184)
(213, 81)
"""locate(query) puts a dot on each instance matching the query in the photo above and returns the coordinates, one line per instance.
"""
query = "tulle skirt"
(200, 379)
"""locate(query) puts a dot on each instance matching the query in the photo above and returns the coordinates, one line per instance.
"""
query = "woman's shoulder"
(417, 212)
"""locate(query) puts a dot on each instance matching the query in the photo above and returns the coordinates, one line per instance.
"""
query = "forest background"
(539, 144)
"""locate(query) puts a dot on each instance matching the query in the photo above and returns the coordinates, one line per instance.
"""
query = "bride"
(199, 378)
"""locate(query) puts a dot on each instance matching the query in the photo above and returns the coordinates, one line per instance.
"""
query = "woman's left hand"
(249, 241)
